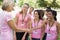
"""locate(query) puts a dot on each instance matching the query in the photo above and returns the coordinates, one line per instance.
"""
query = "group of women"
(26, 24)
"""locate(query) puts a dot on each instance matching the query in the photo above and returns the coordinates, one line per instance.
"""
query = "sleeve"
(9, 17)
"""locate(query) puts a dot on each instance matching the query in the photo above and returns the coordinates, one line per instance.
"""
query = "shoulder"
(7, 14)
(18, 14)
(57, 24)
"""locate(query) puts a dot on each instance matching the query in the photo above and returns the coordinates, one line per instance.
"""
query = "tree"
(43, 3)
(54, 4)
(1, 2)
(21, 2)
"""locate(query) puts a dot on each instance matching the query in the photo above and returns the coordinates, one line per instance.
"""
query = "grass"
(59, 38)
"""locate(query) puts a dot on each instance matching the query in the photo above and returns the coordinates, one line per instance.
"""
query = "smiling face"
(25, 8)
(31, 9)
(36, 15)
(49, 15)
(10, 8)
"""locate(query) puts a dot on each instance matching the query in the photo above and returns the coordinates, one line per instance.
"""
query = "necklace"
(36, 24)
(23, 17)
(50, 26)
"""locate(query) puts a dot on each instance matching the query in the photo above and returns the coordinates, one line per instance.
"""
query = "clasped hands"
(30, 30)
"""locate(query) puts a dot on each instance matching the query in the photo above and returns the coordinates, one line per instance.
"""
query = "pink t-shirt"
(30, 17)
(51, 32)
(37, 33)
(5, 31)
(22, 23)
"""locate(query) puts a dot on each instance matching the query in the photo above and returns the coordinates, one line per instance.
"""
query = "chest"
(22, 18)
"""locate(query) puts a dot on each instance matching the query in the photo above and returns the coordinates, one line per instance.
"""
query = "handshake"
(32, 29)
(29, 30)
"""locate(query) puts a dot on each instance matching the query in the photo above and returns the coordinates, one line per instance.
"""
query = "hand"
(40, 39)
(29, 31)
(23, 38)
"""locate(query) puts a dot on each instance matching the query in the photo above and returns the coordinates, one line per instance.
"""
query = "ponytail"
(55, 18)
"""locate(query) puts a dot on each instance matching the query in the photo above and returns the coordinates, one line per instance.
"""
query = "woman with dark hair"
(54, 13)
(51, 25)
(38, 18)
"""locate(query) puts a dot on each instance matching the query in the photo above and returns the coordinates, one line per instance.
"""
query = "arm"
(23, 38)
(43, 32)
(14, 27)
(58, 30)
(42, 25)
(16, 21)
(29, 26)
(14, 35)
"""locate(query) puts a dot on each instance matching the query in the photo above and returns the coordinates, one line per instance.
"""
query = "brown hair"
(26, 4)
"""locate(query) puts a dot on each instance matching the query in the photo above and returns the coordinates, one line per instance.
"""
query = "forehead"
(35, 12)
(48, 12)
(25, 6)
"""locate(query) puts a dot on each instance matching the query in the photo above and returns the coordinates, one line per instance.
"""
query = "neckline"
(50, 24)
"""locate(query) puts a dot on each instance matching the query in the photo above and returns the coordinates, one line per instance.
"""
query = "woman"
(31, 9)
(52, 26)
(7, 24)
(22, 21)
(38, 18)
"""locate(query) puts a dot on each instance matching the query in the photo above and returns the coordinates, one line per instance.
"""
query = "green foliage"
(54, 4)
(30, 2)
(20, 3)
(1, 2)
(43, 3)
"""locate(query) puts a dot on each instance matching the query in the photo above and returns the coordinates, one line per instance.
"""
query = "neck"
(24, 13)
(36, 20)
(7, 10)
(51, 20)
(30, 12)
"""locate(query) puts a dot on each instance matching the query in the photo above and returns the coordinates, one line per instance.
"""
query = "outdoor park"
(36, 4)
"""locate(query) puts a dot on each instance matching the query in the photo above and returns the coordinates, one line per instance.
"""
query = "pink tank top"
(51, 32)
(30, 17)
(37, 33)
(22, 23)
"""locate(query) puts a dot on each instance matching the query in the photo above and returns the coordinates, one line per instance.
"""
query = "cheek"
(37, 16)
(48, 16)
(11, 8)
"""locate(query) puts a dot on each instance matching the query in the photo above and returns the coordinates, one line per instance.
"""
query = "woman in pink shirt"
(51, 25)
(7, 24)
(38, 19)
(30, 13)
(31, 9)
(22, 21)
